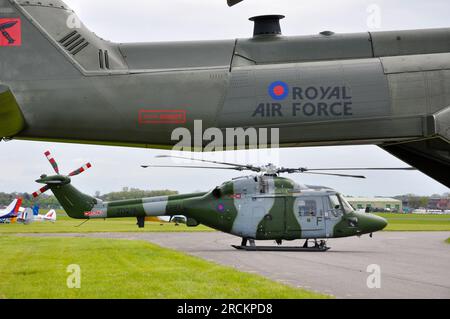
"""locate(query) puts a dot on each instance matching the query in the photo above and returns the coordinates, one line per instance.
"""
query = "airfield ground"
(413, 264)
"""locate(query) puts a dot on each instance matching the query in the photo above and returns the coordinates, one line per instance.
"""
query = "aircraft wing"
(429, 155)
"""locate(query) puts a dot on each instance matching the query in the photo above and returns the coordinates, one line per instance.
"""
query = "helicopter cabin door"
(274, 223)
(310, 212)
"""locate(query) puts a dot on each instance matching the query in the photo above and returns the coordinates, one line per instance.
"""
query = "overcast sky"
(170, 20)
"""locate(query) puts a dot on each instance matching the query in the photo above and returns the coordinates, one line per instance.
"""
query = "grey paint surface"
(398, 81)
(413, 264)
(155, 76)
(363, 80)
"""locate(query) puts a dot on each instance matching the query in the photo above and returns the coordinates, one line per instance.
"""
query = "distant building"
(439, 203)
(376, 204)
(434, 202)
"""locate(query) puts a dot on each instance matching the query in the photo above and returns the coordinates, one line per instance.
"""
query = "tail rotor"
(41, 191)
(58, 179)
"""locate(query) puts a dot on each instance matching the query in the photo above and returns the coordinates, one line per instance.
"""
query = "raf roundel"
(279, 90)
(221, 208)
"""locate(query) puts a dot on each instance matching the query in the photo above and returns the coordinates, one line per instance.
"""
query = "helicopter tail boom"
(81, 206)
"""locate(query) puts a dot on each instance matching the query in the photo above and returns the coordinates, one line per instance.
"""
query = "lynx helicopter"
(61, 82)
(260, 207)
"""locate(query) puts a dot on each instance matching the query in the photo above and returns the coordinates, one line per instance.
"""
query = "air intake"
(267, 25)
(74, 42)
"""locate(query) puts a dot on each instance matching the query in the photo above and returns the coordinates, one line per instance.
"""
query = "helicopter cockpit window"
(336, 207)
(307, 208)
(347, 207)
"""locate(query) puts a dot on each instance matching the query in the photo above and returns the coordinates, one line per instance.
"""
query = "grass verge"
(415, 222)
(121, 269)
(65, 224)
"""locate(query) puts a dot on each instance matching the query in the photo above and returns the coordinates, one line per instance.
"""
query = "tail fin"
(51, 216)
(17, 207)
(12, 208)
(76, 204)
(39, 31)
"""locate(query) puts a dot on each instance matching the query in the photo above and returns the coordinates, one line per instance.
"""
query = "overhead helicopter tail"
(48, 34)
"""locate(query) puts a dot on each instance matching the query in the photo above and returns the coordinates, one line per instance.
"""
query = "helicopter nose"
(377, 223)
(370, 223)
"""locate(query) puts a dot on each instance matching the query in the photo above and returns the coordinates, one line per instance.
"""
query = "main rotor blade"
(201, 167)
(81, 170)
(338, 175)
(41, 191)
(244, 167)
(233, 2)
(52, 162)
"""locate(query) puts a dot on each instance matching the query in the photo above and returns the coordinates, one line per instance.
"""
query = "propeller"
(58, 179)
(271, 169)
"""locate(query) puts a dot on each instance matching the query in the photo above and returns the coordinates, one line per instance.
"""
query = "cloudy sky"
(166, 20)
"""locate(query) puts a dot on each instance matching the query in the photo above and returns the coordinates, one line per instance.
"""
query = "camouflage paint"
(254, 207)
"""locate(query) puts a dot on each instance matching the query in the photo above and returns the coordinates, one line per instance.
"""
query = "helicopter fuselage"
(254, 207)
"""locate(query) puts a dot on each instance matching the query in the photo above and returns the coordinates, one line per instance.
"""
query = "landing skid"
(318, 247)
(274, 248)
